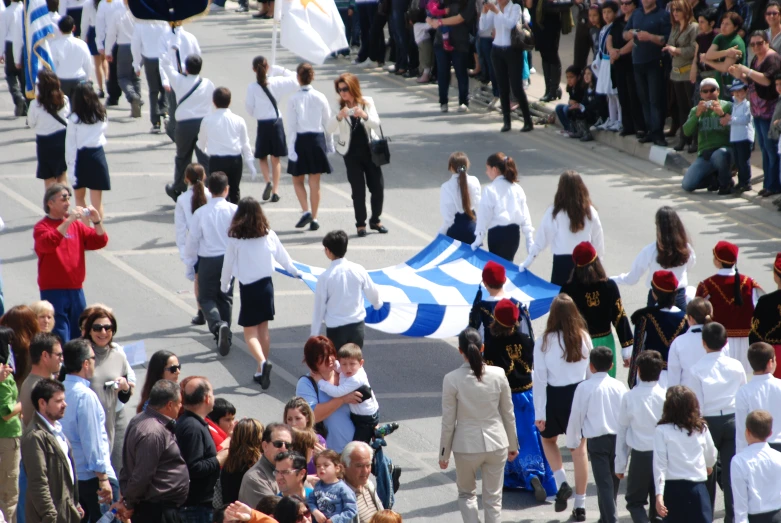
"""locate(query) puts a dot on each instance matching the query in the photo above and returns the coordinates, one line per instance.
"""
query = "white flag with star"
(312, 29)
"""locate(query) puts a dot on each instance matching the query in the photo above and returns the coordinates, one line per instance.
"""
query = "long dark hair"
(470, 343)
(566, 322)
(505, 165)
(682, 409)
(671, 239)
(249, 220)
(154, 373)
(287, 509)
(259, 64)
(459, 163)
(50, 96)
(589, 274)
(573, 198)
(196, 174)
(245, 446)
(86, 105)
(23, 321)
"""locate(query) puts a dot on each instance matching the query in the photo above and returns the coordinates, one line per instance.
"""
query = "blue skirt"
(562, 269)
(531, 460)
(270, 139)
(50, 150)
(75, 13)
(91, 170)
(93, 47)
(312, 155)
(257, 302)
(463, 229)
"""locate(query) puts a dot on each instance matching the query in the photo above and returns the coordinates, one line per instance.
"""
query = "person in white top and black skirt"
(569, 221)
(458, 198)
(250, 254)
(358, 123)
(503, 211)
(262, 102)
(308, 114)
(47, 117)
(84, 143)
(87, 28)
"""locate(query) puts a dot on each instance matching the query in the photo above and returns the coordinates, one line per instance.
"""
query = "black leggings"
(363, 173)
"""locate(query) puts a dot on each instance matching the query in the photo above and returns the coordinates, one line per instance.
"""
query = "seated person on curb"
(710, 120)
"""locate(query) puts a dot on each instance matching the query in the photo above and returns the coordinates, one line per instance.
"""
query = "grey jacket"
(775, 129)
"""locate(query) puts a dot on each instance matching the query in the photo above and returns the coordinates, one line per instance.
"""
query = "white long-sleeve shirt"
(339, 295)
(225, 134)
(179, 39)
(646, 263)
(503, 203)
(641, 409)
(9, 19)
(502, 23)
(685, 351)
(253, 259)
(756, 476)
(88, 17)
(715, 380)
(208, 236)
(450, 199)
(183, 216)
(107, 10)
(678, 455)
(763, 392)
(120, 29)
(307, 112)
(80, 136)
(71, 4)
(551, 368)
(72, 59)
(43, 123)
(595, 408)
(281, 82)
(145, 42)
(198, 104)
(555, 231)
(350, 384)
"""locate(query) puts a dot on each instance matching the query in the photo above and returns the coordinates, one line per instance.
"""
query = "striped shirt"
(366, 503)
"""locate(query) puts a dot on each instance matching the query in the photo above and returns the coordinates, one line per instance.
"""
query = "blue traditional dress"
(655, 329)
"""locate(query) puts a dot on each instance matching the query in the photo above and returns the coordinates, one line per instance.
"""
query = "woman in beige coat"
(478, 426)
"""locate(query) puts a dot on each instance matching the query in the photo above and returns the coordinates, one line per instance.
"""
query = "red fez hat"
(726, 252)
(506, 313)
(665, 281)
(584, 254)
(494, 274)
(777, 264)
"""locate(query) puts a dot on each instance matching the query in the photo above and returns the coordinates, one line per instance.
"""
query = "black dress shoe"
(661, 142)
(313, 225)
(274, 198)
(259, 15)
(305, 219)
(267, 192)
(727, 189)
(579, 514)
(640, 134)
(692, 148)
(395, 475)
(378, 227)
(224, 339)
(505, 128)
(265, 377)
(539, 492)
(564, 493)
(362, 232)
(644, 139)
(626, 132)
(171, 192)
(198, 319)
(714, 185)
(528, 126)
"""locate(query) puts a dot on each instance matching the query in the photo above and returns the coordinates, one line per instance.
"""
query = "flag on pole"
(36, 30)
(312, 29)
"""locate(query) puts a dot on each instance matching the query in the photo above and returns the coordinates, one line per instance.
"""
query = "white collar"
(726, 272)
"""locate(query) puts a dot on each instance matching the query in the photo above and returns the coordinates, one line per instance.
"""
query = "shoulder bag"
(190, 92)
(270, 98)
(380, 150)
(521, 36)
(319, 426)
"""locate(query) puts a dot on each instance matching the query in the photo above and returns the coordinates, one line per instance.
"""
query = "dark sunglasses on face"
(707, 91)
(757, 44)
(278, 444)
(98, 328)
(304, 515)
(772, 13)
(173, 368)
(344, 89)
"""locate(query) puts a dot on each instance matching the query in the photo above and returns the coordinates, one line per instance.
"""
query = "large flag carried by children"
(37, 29)
(312, 29)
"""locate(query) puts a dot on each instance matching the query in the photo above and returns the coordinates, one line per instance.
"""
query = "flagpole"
(277, 8)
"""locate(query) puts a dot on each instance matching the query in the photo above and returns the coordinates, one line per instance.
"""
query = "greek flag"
(37, 28)
(431, 294)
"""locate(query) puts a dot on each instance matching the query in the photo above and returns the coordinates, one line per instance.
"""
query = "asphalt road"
(140, 276)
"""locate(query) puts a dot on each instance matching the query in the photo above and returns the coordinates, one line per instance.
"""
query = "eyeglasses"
(173, 368)
(286, 472)
(65, 197)
(344, 89)
(278, 444)
(707, 91)
(57, 355)
(98, 328)
(757, 44)
(304, 515)
(772, 13)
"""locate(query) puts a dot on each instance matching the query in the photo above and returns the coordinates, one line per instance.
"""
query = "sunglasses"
(278, 444)
(173, 368)
(304, 515)
(707, 91)
(772, 13)
(757, 44)
(98, 328)
(344, 89)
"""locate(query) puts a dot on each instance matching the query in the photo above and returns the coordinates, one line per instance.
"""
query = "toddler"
(436, 10)
(741, 134)
(331, 500)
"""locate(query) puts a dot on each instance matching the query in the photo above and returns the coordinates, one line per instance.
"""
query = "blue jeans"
(201, 514)
(698, 175)
(68, 306)
(458, 59)
(20, 507)
(347, 20)
(561, 112)
(367, 11)
(650, 86)
(741, 151)
(484, 46)
(398, 27)
(769, 155)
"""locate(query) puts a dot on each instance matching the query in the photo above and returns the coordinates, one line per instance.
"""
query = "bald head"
(197, 393)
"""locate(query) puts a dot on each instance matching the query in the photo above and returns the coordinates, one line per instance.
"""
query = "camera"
(351, 112)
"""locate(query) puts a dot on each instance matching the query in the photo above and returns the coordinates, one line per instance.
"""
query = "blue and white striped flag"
(431, 294)
(37, 29)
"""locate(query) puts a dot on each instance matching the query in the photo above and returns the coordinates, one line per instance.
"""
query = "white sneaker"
(526, 84)
(463, 108)
(532, 71)
(443, 108)
(615, 126)
(361, 64)
(366, 64)
(494, 102)
(597, 126)
(391, 68)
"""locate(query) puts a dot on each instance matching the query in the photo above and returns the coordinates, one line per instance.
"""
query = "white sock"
(580, 501)
(314, 220)
(560, 477)
(262, 364)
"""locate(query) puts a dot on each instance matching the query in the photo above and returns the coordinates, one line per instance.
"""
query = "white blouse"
(646, 263)
(253, 259)
(503, 203)
(43, 123)
(450, 199)
(502, 23)
(281, 82)
(551, 368)
(555, 231)
(307, 112)
(183, 216)
(82, 136)
(677, 455)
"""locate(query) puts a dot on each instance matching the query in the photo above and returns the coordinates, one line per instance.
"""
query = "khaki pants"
(491, 465)
(10, 457)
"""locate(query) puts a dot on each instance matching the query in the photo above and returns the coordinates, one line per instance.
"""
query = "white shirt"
(225, 134)
(677, 455)
(44, 124)
(595, 408)
(71, 56)
(253, 259)
(62, 441)
(120, 29)
(71, 4)
(88, 13)
(199, 104)
(10, 19)
(208, 236)
(350, 384)
(182, 40)
(502, 22)
(307, 112)
(339, 295)
(450, 199)
(281, 82)
(503, 203)
(715, 379)
(756, 476)
(551, 368)
(646, 262)
(80, 136)
(145, 42)
(107, 10)
(556, 233)
(641, 409)
(762, 392)
(183, 217)
(685, 350)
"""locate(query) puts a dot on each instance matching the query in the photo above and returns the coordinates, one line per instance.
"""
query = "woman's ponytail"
(738, 294)
(195, 174)
(470, 343)
(259, 64)
(505, 165)
(459, 163)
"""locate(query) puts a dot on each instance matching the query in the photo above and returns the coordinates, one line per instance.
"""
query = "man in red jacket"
(60, 242)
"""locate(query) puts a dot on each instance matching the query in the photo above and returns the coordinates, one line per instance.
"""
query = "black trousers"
(504, 240)
(640, 490)
(185, 137)
(158, 101)
(582, 44)
(232, 167)
(508, 68)
(364, 426)
(14, 77)
(650, 89)
(88, 498)
(631, 108)
(217, 306)
(68, 85)
(774, 516)
(350, 333)
(113, 90)
(682, 92)
(156, 513)
(602, 455)
(363, 173)
(366, 12)
(722, 429)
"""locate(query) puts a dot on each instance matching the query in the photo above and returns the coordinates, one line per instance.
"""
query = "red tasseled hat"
(494, 274)
(726, 252)
(665, 281)
(584, 254)
(777, 264)
(506, 313)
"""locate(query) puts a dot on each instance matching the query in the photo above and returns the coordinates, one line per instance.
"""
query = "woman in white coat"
(357, 124)
(478, 426)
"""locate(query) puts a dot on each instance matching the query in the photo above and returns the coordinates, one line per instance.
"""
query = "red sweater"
(218, 435)
(61, 258)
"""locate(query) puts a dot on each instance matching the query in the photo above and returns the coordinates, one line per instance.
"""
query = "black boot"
(546, 69)
(555, 80)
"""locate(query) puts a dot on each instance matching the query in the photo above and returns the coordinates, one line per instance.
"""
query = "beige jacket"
(343, 131)
(477, 416)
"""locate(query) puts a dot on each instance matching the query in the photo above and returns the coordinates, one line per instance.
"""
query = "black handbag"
(521, 37)
(380, 150)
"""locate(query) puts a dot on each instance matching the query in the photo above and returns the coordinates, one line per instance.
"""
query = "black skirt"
(504, 240)
(257, 302)
(687, 501)
(50, 150)
(93, 47)
(562, 269)
(463, 229)
(91, 170)
(312, 155)
(557, 409)
(271, 139)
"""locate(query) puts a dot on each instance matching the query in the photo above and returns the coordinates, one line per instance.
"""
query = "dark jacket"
(200, 454)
